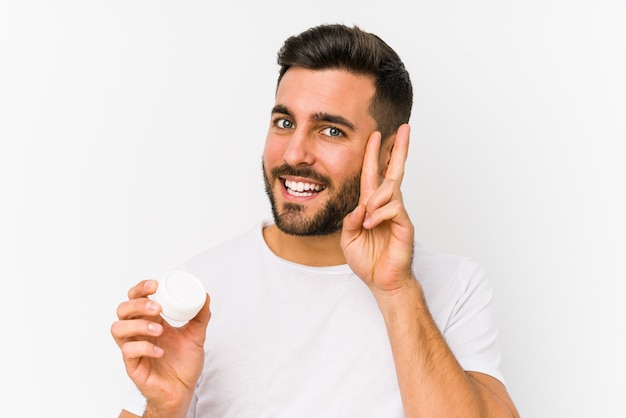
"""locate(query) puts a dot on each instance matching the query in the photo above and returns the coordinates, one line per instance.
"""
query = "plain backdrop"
(130, 139)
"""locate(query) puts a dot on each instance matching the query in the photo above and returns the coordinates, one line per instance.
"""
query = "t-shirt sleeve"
(135, 402)
(472, 332)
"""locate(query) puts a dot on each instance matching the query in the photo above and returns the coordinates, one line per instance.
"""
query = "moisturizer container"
(181, 296)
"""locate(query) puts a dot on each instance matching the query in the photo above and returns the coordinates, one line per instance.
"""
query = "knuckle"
(127, 349)
(120, 310)
(114, 329)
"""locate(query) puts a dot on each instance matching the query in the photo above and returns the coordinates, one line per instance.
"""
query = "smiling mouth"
(302, 189)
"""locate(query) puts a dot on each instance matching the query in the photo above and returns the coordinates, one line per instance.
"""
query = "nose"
(299, 149)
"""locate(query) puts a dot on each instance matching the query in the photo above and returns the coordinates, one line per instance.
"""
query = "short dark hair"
(336, 46)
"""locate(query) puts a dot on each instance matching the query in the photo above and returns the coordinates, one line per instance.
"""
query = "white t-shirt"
(287, 340)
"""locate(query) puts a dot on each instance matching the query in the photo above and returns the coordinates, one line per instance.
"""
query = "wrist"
(156, 411)
(408, 296)
(408, 287)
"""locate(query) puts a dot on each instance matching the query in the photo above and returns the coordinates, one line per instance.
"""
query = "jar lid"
(181, 296)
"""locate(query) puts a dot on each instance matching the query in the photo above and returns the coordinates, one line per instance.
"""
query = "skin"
(376, 240)
(302, 96)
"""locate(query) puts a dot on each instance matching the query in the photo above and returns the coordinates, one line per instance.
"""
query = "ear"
(385, 154)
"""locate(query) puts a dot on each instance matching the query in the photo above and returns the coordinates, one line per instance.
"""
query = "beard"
(294, 218)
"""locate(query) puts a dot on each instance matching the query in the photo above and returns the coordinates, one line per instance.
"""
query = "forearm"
(431, 381)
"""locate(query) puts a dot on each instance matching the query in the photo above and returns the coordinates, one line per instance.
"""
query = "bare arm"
(377, 240)
(430, 378)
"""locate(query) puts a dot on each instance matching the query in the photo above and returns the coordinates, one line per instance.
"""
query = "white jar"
(181, 296)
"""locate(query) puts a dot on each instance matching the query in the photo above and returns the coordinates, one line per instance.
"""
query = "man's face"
(315, 147)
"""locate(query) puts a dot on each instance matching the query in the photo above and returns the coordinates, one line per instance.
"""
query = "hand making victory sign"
(377, 241)
(377, 237)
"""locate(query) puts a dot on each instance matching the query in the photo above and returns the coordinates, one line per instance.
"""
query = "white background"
(131, 135)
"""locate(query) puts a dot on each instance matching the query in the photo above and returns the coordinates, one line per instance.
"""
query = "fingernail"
(153, 327)
(149, 284)
(151, 306)
(158, 350)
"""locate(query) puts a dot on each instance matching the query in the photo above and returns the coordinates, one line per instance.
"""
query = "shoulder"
(450, 282)
(444, 269)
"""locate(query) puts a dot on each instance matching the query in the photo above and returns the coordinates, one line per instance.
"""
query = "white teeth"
(297, 188)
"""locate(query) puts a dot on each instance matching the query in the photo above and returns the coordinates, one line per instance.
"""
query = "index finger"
(399, 153)
(143, 289)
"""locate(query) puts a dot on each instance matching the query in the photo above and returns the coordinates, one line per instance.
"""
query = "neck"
(317, 251)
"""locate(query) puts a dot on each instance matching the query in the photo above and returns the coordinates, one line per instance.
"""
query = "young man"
(331, 310)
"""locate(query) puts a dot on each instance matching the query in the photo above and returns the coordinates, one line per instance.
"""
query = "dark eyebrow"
(336, 119)
(321, 116)
(281, 109)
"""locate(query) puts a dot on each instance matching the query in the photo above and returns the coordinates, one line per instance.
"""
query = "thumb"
(202, 318)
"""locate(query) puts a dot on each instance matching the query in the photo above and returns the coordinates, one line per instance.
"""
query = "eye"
(332, 131)
(283, 123)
